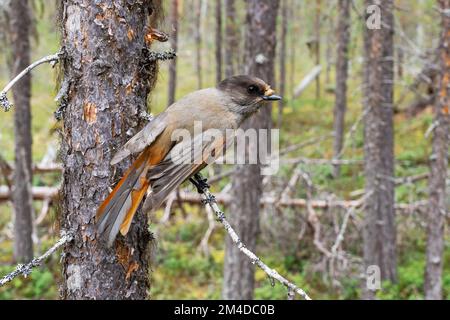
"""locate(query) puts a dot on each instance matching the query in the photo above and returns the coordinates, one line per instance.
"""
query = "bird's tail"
(116, 212)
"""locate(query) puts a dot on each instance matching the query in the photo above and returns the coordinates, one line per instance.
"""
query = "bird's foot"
(199, 182)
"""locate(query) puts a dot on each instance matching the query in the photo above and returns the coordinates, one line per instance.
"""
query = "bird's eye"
(252, 89)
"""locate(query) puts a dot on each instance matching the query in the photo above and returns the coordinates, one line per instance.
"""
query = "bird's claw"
(200, 183)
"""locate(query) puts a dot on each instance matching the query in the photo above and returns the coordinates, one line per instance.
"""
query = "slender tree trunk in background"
(231, 38)
(22, 198)
(109, 80)
(174, 45)
(420, 32)
(438, 197)
(284, 25)
(294, 11)
(317, 47)
(218, 41)
(247, 181)
(400, 58)
(379, 220)
(198, 42)
(329, 37)
(340, 105)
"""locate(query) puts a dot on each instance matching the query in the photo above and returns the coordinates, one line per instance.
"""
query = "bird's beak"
(270, 95)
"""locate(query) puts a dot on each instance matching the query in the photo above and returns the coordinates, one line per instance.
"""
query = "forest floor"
(181, 269)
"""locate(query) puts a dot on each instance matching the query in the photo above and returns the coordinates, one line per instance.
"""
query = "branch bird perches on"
(210, 200)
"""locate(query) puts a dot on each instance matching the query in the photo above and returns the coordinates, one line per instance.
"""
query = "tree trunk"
(317, 47)
(329, 37)
(400, 60)
(174, 45)
(438, 202)
(340, 105)
(247, 181)
(198, 42)
(109, 77)
(22, 197)
(218, 41)
(284, 24)
(231, 38)
(294, 18)
(379, 231)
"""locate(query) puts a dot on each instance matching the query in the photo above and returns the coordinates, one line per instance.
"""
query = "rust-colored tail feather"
(117, 211)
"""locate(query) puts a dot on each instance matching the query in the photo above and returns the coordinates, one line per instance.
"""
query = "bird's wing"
(142, 139)
(183, 161)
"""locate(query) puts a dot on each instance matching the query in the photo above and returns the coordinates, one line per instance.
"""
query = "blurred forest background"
(317, 243)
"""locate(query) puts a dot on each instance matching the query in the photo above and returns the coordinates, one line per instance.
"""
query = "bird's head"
(247, 93)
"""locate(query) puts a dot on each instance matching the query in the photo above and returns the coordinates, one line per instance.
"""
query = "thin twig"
(341, 233)
(272, 273)
(322, 161)
(205, 240)
(52, 59)
(25, 269)
(350, 134)
(296, 147)
(5, 169)
(44, 211)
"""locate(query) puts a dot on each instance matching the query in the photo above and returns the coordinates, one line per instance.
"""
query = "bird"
(158, 170)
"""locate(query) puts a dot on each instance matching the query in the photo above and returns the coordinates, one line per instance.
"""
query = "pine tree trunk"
(247, 181)
(340, 105)
(317, 47)
(400, 60)
(329, 37)
(22, 198)
(110, 80)
(198, 42)
(379, 220)
(282, 57)
(218, 41)
(231, 38)
(438, 197)
(294, 18)
(174, 45)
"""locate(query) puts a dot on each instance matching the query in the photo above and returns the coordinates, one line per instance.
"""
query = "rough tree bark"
(438, 198)
(379, 220)
(174, 44)
(109, 78)
(231, 38)
(282, 57)
(247, 182)
(22, 198)
(340, 105)
(218, 41)
(198, 42)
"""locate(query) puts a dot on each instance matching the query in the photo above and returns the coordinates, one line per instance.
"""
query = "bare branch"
(211, 226)
(306, 143)
(310, 77)
(39, 193)
(52, 59)
(25, 269)
(272, 273)
(44, 193)
(322, 161)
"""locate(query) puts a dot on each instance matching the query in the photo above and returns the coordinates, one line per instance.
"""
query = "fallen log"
(39, 193)
(45, 193)
(310, 77)
(37, 168)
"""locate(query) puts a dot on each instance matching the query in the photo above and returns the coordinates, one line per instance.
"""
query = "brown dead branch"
(43, 193)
